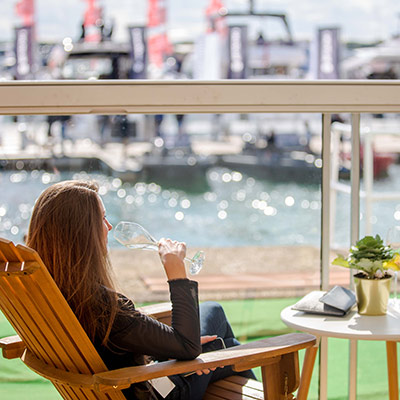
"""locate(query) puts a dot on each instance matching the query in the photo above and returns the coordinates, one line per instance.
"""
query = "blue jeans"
(213, 321)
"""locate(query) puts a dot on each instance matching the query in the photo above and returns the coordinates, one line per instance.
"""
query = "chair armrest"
(258, 353)
(56, 374)
(160, 311)
(12, 347)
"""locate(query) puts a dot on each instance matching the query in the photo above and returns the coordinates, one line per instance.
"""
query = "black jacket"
(135, 335)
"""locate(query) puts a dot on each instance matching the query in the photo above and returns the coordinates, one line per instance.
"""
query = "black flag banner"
(137, 38)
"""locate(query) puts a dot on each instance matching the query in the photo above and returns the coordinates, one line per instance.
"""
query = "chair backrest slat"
(41, 316)
(8, 306)
(8, 253)
(30, 296)
(22, 322)
(66, 392)
(63, 318)
(44, 328)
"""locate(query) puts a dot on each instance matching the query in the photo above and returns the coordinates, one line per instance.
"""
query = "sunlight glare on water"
(234, 210)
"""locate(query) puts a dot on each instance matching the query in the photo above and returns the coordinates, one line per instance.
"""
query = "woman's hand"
(172, 254)
(207, 339)
(204, 340)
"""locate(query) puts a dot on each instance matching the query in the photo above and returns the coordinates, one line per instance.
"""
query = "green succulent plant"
(371, 256)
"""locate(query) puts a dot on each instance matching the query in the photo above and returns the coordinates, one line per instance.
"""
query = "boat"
(176, 165)
(88, 60)
(277, 162)
(376, 62)
(382, 159)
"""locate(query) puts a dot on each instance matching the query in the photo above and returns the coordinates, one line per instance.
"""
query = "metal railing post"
(368, 174)
(335, 167)
(354, 234)
(326, 200)
(355, 178)
(325, 242)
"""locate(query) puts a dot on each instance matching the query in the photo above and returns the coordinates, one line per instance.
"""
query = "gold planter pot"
(372, 295)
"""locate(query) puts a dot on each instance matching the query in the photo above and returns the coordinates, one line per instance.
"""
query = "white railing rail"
(247, 96)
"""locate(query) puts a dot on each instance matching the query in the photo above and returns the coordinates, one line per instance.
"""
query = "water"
(233, 210)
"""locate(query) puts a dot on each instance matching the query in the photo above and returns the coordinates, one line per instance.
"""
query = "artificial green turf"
(17, 381)
(28, 391)
(250, 319)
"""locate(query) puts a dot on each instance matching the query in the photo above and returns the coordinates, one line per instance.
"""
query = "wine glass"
(393, 239)
(134, 236)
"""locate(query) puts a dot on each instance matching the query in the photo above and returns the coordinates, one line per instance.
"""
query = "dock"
(28, 147)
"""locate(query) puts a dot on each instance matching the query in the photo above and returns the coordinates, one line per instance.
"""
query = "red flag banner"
(215, 14)
(158, 47)
(157, 14)
(92, 18)
(214, 7)
(158, 43)
(26, 10)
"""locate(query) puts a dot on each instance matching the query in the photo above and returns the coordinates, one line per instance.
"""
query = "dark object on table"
(337, 302)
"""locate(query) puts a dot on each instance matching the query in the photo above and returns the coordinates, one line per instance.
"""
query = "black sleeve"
(141, 334)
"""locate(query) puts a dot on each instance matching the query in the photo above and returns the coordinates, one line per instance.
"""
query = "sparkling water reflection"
(236, 210)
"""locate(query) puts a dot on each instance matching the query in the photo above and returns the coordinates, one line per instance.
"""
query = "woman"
(69, 230)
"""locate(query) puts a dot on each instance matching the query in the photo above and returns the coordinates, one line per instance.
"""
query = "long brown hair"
(66, 229)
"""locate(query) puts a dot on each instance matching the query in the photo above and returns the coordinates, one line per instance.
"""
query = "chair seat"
(235, 388)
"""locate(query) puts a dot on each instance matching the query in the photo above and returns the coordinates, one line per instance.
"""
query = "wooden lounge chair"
(52, 343)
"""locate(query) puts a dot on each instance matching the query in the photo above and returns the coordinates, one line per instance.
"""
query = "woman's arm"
(142, 334)
(138, 333)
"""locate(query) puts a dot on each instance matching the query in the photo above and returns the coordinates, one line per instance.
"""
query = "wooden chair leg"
(271, 381)
(306, 373)
(289, 373)
(281, 377)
